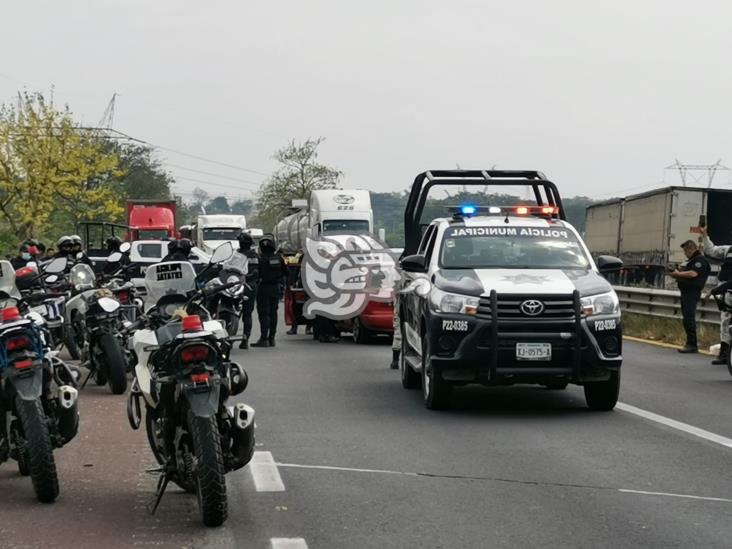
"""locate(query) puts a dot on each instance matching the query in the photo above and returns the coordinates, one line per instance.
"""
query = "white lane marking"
(670, 495)
(347, 469)
(288, 543)
(265, 474)
(685, 427)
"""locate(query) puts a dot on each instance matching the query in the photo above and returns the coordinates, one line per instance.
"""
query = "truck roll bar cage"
(545, 193)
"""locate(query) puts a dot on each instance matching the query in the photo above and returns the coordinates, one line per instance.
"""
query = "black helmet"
(172, 246)
(185, 245)
(245, 240)
(113, 244)
(267, 241)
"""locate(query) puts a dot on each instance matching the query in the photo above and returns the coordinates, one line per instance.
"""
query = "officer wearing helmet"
(272, 276)
(722, 254)
(77, 251)
(250, 291)
(65, 247)
(113, 244)
(179, 250)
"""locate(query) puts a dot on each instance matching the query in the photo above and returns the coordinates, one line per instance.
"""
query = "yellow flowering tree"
(50, 168)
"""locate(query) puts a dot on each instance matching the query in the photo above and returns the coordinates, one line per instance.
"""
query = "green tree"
(219, 205)
(298, 175)
(144, 176)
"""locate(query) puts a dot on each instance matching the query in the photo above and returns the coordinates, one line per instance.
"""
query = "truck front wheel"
(603, 395)
(435, 390)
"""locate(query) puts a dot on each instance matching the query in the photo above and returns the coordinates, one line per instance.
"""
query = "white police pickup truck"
(509, 297)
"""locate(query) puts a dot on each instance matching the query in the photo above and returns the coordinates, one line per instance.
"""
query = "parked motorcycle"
(38, 397)
(227, 305)
(93, 315)
(184, 378)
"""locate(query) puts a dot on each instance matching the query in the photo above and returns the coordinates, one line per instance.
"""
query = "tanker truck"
(329, 211)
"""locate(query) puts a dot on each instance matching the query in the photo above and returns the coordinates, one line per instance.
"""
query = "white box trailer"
(651, 227)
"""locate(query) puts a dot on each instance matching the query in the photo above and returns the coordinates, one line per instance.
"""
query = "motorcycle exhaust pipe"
(68, 413)
(242, 437)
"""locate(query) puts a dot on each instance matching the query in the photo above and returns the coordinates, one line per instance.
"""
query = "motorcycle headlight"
(446, 302)
(600, 304)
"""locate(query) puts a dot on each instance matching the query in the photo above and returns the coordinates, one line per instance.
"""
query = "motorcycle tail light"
(123, 297)
(194, 353)
(192, 323)
(10, 314)
(23, 364)
(200, 378)
(17, 343)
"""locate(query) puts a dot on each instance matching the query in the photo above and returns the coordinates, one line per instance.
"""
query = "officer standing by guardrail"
(723, 254)
(691, 277)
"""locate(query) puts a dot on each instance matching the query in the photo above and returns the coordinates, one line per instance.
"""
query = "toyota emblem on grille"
(532, 307)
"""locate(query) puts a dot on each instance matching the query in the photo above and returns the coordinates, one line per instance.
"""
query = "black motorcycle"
(38, 398)
(184, 377)
(96, 324)
(227, 305)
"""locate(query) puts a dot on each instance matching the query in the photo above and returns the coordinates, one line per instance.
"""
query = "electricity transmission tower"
(696, 173)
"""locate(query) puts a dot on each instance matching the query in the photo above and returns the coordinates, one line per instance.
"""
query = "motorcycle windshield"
(7, 278)
(170, 278)
(81, 276)
(238, 263)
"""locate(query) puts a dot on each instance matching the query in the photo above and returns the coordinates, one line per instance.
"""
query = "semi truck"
(646, 230)
(151, 219)
(328, 211)
(211, 231)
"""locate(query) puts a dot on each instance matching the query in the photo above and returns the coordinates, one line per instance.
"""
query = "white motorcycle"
(184, 377)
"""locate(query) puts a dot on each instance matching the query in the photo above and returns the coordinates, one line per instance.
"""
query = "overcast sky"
(599, 98)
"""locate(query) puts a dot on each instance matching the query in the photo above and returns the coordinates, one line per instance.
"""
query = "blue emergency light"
(468, 210)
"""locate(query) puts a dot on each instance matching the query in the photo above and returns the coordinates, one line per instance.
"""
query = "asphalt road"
(347, 458)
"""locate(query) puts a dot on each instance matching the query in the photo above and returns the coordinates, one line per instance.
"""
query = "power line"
(223, 185)
(189, 155)
(213, 174)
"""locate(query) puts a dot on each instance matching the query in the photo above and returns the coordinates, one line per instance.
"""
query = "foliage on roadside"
(667, 330)
(51, 169)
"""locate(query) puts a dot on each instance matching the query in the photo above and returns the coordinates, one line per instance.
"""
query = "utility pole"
(695, 173)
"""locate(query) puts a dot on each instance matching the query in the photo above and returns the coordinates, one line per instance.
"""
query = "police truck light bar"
(469, 210)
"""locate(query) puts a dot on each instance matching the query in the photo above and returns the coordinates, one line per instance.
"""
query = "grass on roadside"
(667, 330)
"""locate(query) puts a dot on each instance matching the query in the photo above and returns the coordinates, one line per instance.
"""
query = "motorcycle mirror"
(80, 255)
(57, 265)
(222, 253)
(125, 247)
(115, 257)
(51, 279)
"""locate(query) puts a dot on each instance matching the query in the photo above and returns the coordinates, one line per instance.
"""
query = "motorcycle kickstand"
(92, 371)
(162, 485)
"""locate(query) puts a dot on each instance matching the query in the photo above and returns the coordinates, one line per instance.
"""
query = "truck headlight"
(445, 302)
(600, 304)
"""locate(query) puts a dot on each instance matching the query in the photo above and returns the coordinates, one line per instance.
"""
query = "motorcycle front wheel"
(115, 365)
(230, 321)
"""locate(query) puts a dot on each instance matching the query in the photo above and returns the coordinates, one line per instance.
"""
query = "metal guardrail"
(663, 304)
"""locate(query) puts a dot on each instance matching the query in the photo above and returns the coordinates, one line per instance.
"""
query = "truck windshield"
(359, 226)
(152, 234)
(511, 247)
(221, 233)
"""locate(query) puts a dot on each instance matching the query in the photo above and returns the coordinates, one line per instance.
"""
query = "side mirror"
(222, 253)
(115, 257)
(125, 247)
(80, 255)
(58, 265)
(608, 264)
(414, 264)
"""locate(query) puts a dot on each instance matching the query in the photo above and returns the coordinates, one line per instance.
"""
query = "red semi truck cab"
(151, 219)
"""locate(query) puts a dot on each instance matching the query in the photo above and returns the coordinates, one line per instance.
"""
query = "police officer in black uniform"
(691, 277)
(252, 279)
(179, 250)
(272, 275)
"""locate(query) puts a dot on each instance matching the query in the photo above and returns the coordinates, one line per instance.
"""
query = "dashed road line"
(671, 495)
(265, 474)
(288, 543)
(678, 425)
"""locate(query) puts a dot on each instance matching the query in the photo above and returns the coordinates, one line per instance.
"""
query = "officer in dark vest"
(691, 276)
(252, 279)
(272, 277)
